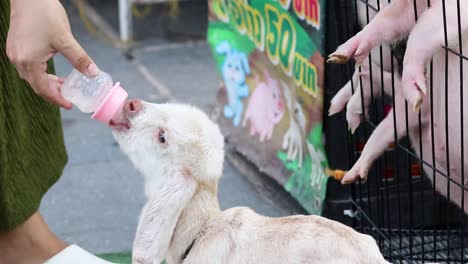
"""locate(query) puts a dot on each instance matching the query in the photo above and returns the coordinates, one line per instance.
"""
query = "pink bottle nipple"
(113, 101)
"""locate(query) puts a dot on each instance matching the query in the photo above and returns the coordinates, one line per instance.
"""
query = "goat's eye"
(161, 136)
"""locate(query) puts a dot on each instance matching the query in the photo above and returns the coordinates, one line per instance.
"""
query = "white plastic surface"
(75, 255)
(84, 92)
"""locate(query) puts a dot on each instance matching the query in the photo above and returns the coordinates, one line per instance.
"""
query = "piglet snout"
(281, 105)
(132, 107)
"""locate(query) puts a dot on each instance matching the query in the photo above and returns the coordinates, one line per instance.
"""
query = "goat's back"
(239, 235)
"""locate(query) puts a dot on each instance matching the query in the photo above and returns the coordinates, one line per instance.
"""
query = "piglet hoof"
(332, 111)
(414, 96)
(414, 85)
(357, 172)
(357, 47)
(354, 120)
(417, 105)
(337, 59)
(338, 103)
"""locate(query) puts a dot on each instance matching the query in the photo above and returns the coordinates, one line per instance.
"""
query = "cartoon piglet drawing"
(265, 109)
(234, 70)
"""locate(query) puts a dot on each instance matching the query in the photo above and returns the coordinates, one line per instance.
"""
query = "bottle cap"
(111, 104)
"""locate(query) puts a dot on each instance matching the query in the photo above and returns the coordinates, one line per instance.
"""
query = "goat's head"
(163, 140)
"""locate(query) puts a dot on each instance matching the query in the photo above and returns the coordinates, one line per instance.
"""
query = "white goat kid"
(180, 152)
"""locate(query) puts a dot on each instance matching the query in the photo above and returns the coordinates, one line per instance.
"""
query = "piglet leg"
(389, 25)
(427, 37)
(339, 101)
(379, 140)
(365, 87)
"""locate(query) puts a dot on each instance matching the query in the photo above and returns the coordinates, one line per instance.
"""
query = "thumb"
(78, 57)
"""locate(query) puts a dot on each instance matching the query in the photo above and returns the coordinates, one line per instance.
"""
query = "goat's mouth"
(121, 119)
(119, 125)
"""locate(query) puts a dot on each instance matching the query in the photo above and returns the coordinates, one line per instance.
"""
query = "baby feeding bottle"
(97, 95)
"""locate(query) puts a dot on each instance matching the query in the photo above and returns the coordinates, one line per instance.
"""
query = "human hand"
(38, 30)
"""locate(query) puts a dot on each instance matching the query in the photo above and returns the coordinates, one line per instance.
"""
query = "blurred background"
(96, 204)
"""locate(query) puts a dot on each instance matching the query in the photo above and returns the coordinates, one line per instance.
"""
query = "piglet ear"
(223, 48)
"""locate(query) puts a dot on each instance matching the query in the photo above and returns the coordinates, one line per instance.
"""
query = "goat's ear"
(161, 214)
(223, 48)
(214, 161)
(214, 166)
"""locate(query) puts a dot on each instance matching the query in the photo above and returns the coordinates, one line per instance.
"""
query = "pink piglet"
(265, 109)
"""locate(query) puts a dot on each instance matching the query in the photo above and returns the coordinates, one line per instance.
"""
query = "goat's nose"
(132, 107)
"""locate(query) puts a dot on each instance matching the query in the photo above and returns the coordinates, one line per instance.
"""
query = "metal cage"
(398, 205)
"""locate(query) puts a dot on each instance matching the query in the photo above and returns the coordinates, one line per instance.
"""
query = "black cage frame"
(411, 222)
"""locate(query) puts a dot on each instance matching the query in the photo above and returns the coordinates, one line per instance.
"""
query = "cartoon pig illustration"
(265, 108)
(234, 70)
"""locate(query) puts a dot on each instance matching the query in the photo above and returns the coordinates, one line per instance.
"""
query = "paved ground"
(97, 201)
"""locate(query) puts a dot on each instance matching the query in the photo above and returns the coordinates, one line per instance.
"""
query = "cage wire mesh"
(400, 204)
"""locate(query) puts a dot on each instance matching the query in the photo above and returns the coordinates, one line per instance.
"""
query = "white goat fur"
(182, 177)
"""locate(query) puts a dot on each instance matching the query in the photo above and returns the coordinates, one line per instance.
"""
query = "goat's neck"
(203, 206)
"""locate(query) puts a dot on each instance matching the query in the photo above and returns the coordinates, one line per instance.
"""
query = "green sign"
(270, 57)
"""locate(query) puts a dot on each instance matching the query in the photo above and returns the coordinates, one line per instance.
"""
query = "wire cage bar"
(400, 204)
